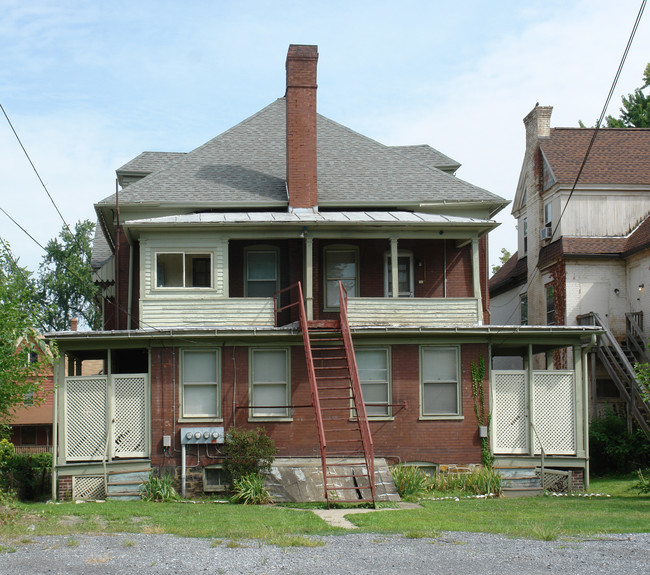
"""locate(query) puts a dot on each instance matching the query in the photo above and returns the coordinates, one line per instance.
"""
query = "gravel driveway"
(356, 554)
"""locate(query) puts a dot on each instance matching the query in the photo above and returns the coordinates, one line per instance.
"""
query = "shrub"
(29, 475)
(410, 481)
(250, 490)
(613, 449)
(159, 488)
(247, 452)
(480, 481)
(643, 485)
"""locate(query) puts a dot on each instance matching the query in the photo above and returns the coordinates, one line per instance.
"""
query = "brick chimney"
(302, 181)
(538, 122)
(74, 324)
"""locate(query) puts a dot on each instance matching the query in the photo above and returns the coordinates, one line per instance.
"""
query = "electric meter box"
(202, 435)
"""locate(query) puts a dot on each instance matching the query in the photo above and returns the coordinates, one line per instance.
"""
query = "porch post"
(531, 414)
(476, 272)
(394, 267)
(309, 277)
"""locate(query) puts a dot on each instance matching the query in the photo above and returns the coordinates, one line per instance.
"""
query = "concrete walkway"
(336, 517)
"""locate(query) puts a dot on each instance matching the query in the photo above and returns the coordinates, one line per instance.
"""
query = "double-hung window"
(404, 274)
(262, 275)
(550, 305)
(269, 383)
(523, 306)
(341, 264)
(374, 374)
(440, 381)
(200, 384)
(183, 270)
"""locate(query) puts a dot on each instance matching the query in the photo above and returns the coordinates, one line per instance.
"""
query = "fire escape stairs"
(345, 442)
(619, 360)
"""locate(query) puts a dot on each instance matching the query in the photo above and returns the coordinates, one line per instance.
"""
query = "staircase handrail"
(311, 374)
(634, 334)
(366, 436)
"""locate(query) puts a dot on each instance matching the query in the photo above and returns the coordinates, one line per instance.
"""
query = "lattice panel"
(556, 480)
(85, 418)
(129, 432)
(509, 411)
(88, 487)
(554, 408)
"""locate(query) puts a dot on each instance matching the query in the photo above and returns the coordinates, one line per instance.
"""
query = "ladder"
(345, 442)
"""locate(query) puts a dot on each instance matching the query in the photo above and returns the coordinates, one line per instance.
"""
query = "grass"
(544, 518)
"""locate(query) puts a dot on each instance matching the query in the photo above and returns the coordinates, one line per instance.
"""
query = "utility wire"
(41, 181)
(588, 151)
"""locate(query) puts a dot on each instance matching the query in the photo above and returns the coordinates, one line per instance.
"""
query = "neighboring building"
(200, 255)
(584, 249)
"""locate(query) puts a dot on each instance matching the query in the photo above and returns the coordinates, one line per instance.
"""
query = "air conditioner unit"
(545, 233)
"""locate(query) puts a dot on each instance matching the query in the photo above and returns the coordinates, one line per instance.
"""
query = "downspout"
(585, 398)
(130, 296)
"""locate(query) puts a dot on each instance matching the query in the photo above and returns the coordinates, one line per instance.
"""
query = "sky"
(90, 85)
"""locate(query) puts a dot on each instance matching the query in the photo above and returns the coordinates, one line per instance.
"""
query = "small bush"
(247, 452)
(29, 475)
(159, 488)
(613, 449)
(250, 490)
(643, 485)
(410, 481)
(480, 481)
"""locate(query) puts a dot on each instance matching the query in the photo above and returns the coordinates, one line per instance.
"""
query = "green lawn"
(538, 517)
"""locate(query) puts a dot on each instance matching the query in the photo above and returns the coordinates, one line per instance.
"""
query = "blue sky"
(90, 85)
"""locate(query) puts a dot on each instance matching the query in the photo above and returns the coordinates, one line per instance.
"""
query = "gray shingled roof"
(428, 156)
(149, 162)
(101, 251)
(245, 166)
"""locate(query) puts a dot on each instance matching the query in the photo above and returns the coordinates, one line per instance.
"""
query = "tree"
(24, 357)
(635, 112)
(65, 280)
(503, 258)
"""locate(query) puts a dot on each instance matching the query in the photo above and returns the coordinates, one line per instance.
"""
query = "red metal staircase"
(345, 442)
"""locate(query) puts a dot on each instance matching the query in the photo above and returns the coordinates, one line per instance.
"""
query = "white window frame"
(265, 250)
(458, 382)
(257, 413)
(339, 248)
(212, 416)
(387, 382)
(184, 255)
(388, 280)
(525, 235)
(548, 216)
(523, 305)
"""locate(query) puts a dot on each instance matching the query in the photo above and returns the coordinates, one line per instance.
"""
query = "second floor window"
(404, 275)
(550, 305)
(341, 264)
(261, 272)
(525, 236)
(183, 270)
(523, 302)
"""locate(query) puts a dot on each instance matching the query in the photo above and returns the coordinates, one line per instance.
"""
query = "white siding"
(414, 311)
(505, 308)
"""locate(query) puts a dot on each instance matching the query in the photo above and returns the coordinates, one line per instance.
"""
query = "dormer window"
(183, 270)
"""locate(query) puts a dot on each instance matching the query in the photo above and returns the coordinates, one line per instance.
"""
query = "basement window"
(183, 270)
(215, 478)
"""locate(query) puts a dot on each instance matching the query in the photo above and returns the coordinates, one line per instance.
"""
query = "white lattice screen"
(130, 413)
(509, 411)
(88, 487)
(85, 418)
(91, 402)
(553, 404)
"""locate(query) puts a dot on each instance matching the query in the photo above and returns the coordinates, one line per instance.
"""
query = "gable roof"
(510, 275)
(246, 167)
(618, 156)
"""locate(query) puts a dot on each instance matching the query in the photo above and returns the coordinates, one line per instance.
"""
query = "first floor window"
(550, 305)
(374, 374)
(270, 390)
(183, 270)
(200, 384)
(340, 265)
(440, 381)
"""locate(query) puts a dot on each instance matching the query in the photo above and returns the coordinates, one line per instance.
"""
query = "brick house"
(587, 260)
(223, 272)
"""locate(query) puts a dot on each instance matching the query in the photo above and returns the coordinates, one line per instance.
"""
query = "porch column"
(530, 412)
(476, 272)
(309, 277)
(394, 267)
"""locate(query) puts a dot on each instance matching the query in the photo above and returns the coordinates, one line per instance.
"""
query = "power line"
(40, 180)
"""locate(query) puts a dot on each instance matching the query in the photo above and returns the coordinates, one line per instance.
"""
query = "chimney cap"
(302, 51)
